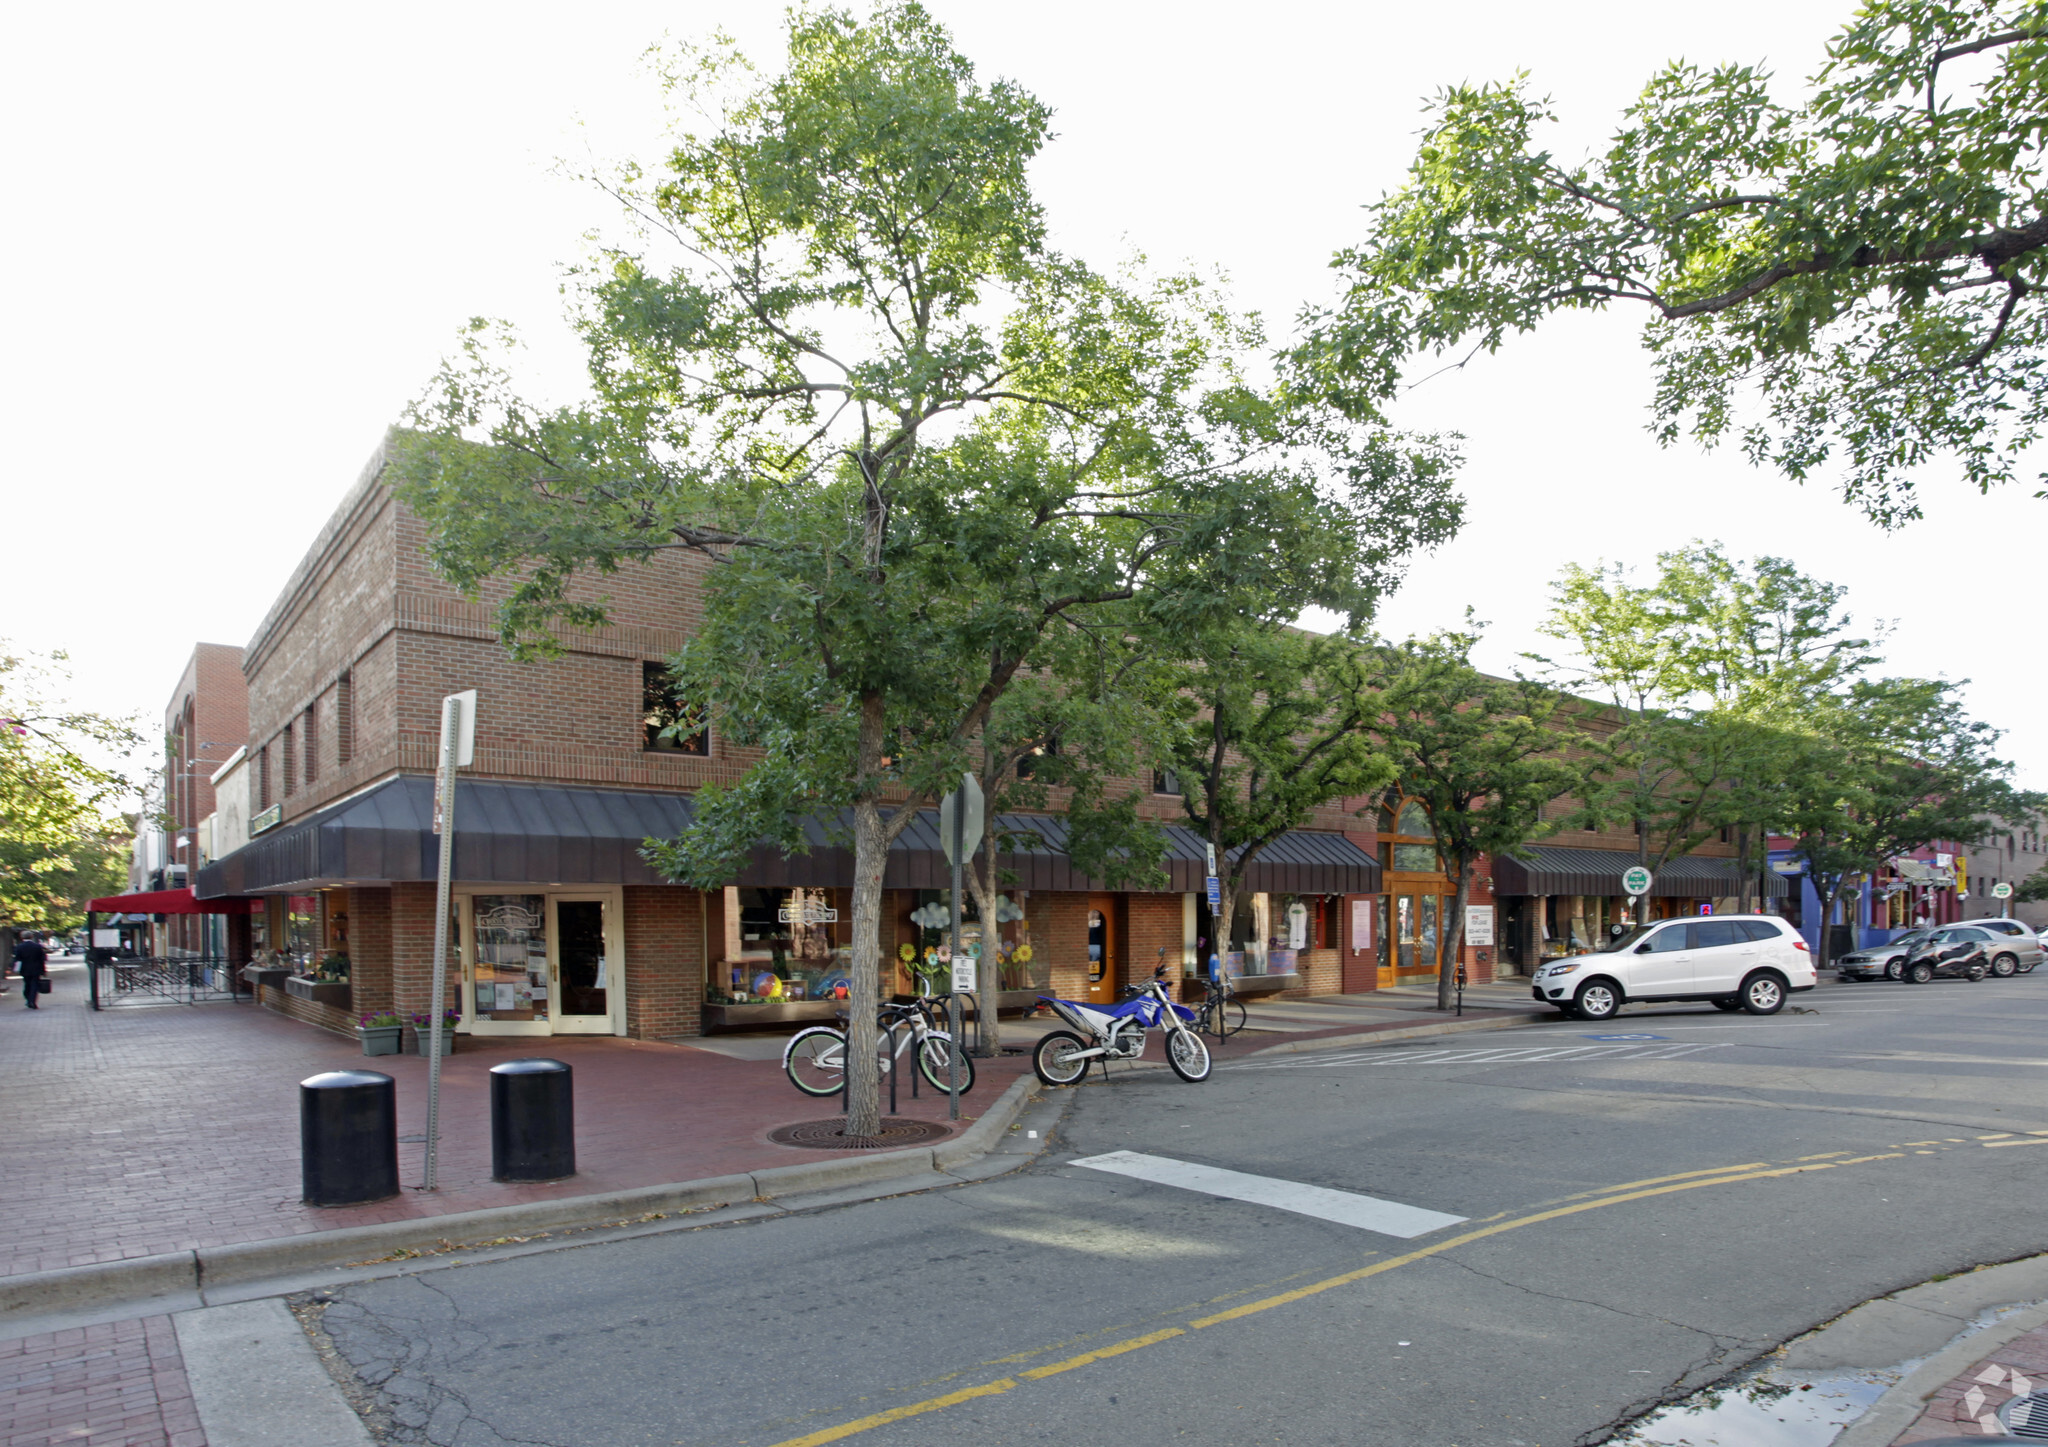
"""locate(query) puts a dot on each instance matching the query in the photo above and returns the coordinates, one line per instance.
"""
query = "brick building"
(205, 721)
(561, 926)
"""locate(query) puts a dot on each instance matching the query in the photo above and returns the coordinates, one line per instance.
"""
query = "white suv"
(1737, 961)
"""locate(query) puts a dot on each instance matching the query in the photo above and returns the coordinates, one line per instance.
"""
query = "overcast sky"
(240, 238)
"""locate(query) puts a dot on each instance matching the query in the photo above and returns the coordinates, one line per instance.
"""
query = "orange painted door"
(1102, 950)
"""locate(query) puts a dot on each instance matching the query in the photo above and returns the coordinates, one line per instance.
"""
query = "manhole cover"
(830, 1135)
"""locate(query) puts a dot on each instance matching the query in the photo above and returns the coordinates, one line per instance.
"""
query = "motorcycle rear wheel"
(1188, 1056)
(1054, 1060)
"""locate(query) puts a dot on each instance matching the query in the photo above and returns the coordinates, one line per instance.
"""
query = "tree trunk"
(870, 855)
(1454, 941)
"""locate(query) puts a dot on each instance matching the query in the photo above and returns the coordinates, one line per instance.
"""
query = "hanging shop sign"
(808, 913)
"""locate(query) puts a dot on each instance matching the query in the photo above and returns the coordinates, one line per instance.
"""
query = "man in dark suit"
(31, 961)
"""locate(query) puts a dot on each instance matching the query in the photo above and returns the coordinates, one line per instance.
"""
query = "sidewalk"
(141, 1131)
(1968, 1404)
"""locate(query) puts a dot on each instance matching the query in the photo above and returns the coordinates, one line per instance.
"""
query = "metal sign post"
(960, 821)
(458, 746)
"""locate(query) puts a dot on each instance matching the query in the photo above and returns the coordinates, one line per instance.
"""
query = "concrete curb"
(179, 1279)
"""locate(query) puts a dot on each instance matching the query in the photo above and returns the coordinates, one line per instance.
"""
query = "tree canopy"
(835, 361)
(1846, 284)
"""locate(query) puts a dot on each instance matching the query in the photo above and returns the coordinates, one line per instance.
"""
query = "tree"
(1483, 754)
(1898, 766)
(1710, 667)
(910, 445)
(62, 843)
(1271, 727)
(1867, 262)
(2033, 889)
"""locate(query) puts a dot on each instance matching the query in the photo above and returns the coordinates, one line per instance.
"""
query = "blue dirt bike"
(1118, 1033)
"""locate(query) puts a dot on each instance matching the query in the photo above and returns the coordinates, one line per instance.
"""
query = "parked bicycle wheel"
(816, 1060)
(1188, 1056)
(1227, 1018)
(1056, 1058)
(933, 1057)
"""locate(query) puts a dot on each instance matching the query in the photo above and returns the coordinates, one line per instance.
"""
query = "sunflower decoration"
(1022, 954)
(906, 952)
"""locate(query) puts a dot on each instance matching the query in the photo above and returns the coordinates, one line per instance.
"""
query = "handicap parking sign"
(1627, 1037)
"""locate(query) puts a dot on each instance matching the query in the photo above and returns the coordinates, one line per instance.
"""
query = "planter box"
(341, 997)
(422, 1041)
(1263, 984)
(273, 976)
(381, 1039)
(750, 1017)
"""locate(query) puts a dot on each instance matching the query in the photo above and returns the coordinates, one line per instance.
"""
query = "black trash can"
(348, 1138)
(533, 1121)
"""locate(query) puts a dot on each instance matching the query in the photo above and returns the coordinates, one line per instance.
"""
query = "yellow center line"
(1994, 1145)
(1823, 1156)
(1116, 1350)
(1635, 1191)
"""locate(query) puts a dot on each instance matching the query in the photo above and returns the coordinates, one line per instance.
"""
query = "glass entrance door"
(1102, 955)
(584, 966)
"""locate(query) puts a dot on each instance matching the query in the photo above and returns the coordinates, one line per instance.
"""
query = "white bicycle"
(815, 1058)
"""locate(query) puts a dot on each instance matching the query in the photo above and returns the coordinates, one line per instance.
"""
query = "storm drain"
(830, 1135)
(2027, 1416)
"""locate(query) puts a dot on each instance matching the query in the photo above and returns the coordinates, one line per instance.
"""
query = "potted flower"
(381, 1032)
(423, 1032)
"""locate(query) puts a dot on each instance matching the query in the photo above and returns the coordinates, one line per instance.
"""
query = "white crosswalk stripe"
(1346, 1208)
(1525, 1055)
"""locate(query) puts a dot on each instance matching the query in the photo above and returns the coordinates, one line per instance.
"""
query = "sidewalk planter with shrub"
(382, 1033)
(333, 993)
(423, 1033)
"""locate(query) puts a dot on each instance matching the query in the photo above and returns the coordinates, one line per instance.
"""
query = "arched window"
(1412, 847)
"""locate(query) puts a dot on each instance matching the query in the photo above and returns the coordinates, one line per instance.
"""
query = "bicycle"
(815, 1058)
(1221, 1013)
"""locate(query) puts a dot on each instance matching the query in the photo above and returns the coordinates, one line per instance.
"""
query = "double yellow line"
(1592, 1201)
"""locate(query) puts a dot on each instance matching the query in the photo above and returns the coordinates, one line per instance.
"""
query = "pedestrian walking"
(32, 962)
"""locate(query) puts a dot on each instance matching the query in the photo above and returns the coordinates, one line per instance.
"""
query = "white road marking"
(1346, 1208)
(1576, 1054)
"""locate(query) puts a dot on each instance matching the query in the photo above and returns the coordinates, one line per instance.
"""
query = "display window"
(302, 928)
(541, 963)
(783, 945)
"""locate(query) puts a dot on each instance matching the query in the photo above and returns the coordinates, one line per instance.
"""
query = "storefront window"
(302, 929)
(781, 944)
(509, 957)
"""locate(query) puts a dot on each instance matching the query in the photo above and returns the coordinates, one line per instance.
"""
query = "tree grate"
(2027, 1416)
(830, 1135)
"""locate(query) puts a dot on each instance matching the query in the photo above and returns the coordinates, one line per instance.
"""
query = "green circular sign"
(1637, 880)
(2001, 891)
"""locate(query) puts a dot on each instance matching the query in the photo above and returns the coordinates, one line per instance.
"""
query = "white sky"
(241, 237)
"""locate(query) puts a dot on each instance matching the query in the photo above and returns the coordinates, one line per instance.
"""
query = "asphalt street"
(1638, 1218)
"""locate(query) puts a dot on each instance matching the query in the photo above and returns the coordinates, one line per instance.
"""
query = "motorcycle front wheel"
(1188, 1056)
(1055, 1058)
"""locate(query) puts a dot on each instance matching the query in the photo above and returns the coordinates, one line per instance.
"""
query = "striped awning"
(1552, 869)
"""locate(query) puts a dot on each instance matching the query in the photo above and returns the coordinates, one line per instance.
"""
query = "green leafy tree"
(1271, 726)
(1485, 756)
(906, 444)
(1898, 765)
(1848, 281)
(1709, 667)
(61, 841)
(2033, 889)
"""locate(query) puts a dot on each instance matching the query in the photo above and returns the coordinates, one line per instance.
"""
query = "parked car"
(1955, 951)
(2022, 947)
(1737, 961)
(1880, 962)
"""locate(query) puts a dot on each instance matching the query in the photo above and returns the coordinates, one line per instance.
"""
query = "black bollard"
(348, 1138)
(533, 1121)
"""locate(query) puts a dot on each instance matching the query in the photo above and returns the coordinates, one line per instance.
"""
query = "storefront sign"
(1361, 925)
(268, 819)
(808, 913)
(1479, 925)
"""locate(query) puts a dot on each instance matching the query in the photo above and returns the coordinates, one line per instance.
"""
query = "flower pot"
(381, 1039)
(423, 1041)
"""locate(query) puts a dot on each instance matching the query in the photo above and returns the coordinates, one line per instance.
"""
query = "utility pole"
(458, 746)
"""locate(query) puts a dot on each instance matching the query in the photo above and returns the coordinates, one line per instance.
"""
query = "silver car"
(1879, 962)
(2019, 948)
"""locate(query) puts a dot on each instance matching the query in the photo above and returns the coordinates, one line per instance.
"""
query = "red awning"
(170, 901)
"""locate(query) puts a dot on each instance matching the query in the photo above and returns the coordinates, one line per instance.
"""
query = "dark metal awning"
(1552, 869)
(544, 834)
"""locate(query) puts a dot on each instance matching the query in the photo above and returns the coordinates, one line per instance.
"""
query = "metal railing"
(121, 980)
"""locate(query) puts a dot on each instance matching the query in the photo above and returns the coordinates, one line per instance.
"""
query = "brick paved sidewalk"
(119, 1385)
(1966, 1407)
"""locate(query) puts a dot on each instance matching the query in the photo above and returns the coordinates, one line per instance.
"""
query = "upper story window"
(290, 761)
(309, 740)
(1166, 781)
(1413, 844)
(1028, 765)
(344, 718)
(670, 723)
